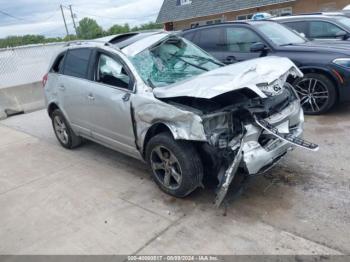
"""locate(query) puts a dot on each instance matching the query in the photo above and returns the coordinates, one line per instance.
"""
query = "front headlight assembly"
(344, 62)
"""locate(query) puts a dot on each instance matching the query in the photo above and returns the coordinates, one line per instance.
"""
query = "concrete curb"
(22, 98)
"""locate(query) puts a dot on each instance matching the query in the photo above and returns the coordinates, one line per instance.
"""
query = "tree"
(118, 29)
(89, 29)
(148, 26)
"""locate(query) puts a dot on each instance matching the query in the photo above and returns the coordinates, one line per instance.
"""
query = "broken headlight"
(273, 89)
(221, 129)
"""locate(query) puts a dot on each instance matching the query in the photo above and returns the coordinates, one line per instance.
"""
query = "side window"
(210, 39)
(112, 72)
(189, 36)
(300, 27)
(240, 39)
(77, 62)
(58, 64)
(320, 29)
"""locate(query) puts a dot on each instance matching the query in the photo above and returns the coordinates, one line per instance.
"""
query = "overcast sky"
(19, 17)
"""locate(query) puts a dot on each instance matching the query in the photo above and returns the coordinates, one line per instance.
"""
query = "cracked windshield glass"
(172, 61)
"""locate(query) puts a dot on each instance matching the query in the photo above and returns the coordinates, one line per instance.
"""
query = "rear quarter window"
(58, 64)
(77, 62)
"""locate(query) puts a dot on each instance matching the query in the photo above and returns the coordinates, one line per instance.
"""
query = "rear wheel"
(63, 131)
(317, 93)
(176, 166)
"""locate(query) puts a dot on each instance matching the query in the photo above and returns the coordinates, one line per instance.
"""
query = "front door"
(238, 43)
(111, 93)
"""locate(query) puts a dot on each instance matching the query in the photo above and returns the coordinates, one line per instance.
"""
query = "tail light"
(44, 81)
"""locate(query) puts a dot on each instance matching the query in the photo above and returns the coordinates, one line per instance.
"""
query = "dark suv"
(324, 26)
(326, 69)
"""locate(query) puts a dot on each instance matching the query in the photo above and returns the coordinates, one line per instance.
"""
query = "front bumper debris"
(296, 141)
(247, 151)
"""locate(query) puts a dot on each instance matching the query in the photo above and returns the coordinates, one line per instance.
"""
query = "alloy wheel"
(313, 93)
(166, 167)
(61, 130)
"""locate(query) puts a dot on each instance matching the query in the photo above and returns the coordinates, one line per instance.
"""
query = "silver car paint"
(109, 120)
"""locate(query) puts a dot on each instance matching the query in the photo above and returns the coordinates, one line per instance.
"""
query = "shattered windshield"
(171, 61)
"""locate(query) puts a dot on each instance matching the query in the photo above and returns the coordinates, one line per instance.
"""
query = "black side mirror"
(258, 47)
(343, 35)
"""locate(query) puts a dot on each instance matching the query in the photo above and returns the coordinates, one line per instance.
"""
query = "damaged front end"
(243, 118)
(253, 135)
(246, 133)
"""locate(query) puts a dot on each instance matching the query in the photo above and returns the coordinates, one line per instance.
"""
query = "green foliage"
(88, 29)
(148, 26)
(118, 29)
(12, 41)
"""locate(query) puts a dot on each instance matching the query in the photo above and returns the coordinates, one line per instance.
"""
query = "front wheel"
(176, 165)
(317, 93)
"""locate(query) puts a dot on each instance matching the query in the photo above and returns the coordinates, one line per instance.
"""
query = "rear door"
(111, 90)
(73, 89)
(323, 30)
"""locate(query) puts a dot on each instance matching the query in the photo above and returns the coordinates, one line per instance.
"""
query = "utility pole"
(75, 26)
(65, 23)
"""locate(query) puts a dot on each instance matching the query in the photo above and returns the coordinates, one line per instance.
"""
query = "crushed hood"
(233, 77)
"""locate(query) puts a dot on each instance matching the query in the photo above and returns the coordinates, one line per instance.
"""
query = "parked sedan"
(321, 27)
(326, 68)
(159, 98)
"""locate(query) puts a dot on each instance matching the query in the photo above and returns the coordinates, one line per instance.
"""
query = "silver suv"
(159, 98)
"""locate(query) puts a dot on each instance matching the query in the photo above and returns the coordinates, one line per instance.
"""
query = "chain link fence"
(25, 65)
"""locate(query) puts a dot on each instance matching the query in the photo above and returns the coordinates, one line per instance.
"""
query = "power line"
(115, 18)
(25, 19)
(12, 16)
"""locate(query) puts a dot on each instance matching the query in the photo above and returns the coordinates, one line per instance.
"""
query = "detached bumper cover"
(285, 129)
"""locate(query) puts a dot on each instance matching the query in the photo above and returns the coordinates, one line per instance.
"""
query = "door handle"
(126, 97)
(62, 87)
(91, 97)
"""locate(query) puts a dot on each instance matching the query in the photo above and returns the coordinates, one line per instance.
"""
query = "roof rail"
(81, 42)
(315, 13)
(244, 22)
(324, 13)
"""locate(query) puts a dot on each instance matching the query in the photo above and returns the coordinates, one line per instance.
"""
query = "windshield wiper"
(189, 63)
(203, 58)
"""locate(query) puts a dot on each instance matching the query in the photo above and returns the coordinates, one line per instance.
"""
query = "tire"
(317, 93)
(176, 165)
(63, 131)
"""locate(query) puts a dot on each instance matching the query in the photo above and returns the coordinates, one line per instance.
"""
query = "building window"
(206, 22)
(184, 2)
(282, 11)
(245, 17)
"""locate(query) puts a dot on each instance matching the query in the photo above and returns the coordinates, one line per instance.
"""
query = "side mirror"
(302, 35)
(258, 47)
(343, 35)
